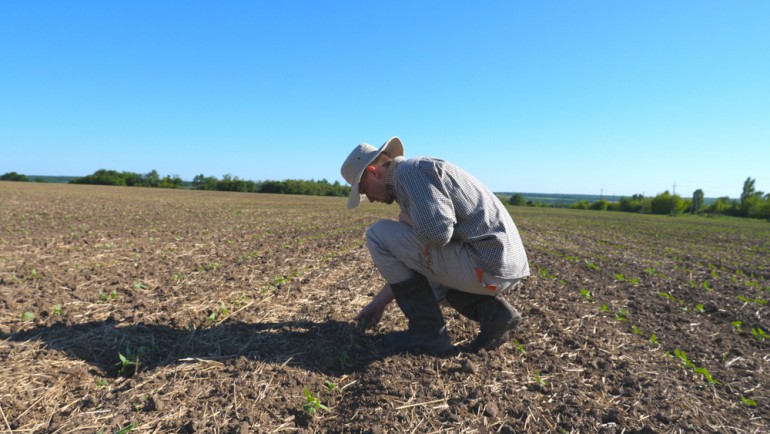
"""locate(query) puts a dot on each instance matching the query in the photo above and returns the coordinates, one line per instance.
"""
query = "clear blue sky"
(619, 97)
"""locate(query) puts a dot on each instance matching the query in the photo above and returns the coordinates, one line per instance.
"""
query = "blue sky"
(612, 97)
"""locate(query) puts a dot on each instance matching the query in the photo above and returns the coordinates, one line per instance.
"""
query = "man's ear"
(371, 169)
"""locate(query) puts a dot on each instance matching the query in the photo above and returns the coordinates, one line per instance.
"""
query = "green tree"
(13, 176)
(517, 200)
(697, 201)
(665, 203)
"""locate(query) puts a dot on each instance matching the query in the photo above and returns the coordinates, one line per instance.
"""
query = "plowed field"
(146, 310)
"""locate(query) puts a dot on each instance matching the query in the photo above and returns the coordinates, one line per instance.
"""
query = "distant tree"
(697, 201)
(665, 203)
(152, 179)
(583, 204)
(517, 200)
(13, 176)
(751, 200)
(599, 205)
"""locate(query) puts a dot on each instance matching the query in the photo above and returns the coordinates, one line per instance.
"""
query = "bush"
(13, 176)
(517, 200)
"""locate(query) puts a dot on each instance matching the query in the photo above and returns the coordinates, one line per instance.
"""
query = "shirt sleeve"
(429, 203)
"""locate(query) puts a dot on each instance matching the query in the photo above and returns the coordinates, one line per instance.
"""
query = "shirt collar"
(391, 176)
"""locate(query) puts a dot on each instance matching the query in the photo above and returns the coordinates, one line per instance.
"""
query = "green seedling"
(518, 346)
(636, 331)
(591, 265)
(101, 383)
(138, 285)
(654, 339)
(313, 403)
(34, 274)
(113, 295)
(700, 308)
(737, 326)
(538, 379)
(747, 401)
(604, 308)
(126, 363)
(57, 309)
(760, 334)
(698, 370)
(621, 315)
(27, 316)
(586, 294)
(331, 386)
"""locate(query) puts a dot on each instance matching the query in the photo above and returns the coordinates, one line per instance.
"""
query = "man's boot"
(427, 330)
(496, 317)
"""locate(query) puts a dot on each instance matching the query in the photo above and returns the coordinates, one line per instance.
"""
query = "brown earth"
(226, 307)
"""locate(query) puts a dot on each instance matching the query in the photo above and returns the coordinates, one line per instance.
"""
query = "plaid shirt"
(446, 203)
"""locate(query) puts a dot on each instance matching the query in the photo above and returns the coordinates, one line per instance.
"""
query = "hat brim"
(393, 147)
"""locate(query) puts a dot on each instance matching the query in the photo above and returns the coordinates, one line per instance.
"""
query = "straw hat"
(362, 156)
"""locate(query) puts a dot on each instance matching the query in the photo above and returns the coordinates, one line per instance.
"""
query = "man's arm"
(372, 313)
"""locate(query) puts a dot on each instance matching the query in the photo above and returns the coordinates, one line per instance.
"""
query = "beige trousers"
(397, 253)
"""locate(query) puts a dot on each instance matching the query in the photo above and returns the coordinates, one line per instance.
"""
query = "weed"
(518, 346)
(34, 274)
(700, 308)
(539, 380)
(636, 331)
(654, 339)
(101, 383)
(591, 265)
(331, 386)
(27, 316)
(313, 403)
(604, 308)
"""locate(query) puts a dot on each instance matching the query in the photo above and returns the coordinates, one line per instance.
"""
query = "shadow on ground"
(329, 347)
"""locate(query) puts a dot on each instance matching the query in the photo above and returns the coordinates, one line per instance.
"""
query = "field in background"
(157, 310)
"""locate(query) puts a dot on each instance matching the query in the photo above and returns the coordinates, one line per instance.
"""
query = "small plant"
(125, 363)
(747, 401)
(113, 295)
(57, 309)
(591, 265)
(313, 403)
(636, 331)
(27, 316)
(621, 314)
(760, 334)
(737, 326)
(34, 274)
(138, 285)
(605, 308)
(101, 383)
(586, 294)
(654, 339)
(539, 379)
(698, 370)
(518, 346)
(330, 386)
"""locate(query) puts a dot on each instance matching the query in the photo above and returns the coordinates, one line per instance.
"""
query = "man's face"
(373, 185)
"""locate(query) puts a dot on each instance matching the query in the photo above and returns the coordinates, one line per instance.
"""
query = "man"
(454, 239)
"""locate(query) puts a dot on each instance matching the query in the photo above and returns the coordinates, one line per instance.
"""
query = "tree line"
(202, 182)
(752, 203)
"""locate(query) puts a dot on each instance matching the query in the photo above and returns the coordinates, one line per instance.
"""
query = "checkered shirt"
(447, 203)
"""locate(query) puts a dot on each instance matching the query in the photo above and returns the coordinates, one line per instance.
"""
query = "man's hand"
(372, 313)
